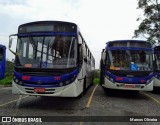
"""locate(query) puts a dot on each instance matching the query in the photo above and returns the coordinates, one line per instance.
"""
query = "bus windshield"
(133, 60)
(46, 52)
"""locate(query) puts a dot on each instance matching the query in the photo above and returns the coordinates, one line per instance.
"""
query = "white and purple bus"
(127, 65)
(51, 59)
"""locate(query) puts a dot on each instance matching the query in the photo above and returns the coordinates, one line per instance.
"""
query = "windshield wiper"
(52, 42)
(34, 46)
(33, 43)
(42, 52)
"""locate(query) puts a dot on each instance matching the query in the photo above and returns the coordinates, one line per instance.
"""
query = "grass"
(6, 81)
(96, 81)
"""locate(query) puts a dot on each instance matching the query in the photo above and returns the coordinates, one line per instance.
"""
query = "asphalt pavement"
(95, 103)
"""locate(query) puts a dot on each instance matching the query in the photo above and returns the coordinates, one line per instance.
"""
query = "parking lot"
(95, 102)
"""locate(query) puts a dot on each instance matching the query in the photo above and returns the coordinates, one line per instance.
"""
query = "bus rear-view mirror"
(10, 42)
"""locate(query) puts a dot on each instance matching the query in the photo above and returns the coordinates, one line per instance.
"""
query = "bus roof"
(47, 26)
(47, 22)
(133, 44)
(126, 41)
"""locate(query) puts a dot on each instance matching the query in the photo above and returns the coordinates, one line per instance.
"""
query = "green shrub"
(6, 80)
(96, 81)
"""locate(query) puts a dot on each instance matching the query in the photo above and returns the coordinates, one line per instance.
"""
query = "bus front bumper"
(64, 91)
(126, 86)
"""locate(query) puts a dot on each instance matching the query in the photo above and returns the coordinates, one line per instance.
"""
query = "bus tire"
(156, 90)
(107, 90)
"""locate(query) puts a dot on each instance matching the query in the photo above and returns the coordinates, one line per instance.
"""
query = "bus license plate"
(39, 90)
(129, 86)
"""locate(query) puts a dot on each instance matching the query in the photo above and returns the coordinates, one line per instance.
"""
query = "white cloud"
(99, 20)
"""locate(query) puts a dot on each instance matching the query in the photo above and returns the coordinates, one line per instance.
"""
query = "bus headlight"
(149, 81)
(16, 80)
(67, 82)
(156, 76)
(73, 79)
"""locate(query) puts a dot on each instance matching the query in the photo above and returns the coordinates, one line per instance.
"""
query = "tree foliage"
(150, 24)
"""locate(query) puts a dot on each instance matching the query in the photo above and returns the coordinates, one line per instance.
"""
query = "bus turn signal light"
(119, 78)
(142, 80)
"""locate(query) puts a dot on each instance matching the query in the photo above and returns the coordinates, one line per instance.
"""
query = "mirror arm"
(12, 51)
(13, 35)
(9, 43)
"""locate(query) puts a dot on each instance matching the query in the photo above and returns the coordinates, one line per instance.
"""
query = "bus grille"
(47, 91)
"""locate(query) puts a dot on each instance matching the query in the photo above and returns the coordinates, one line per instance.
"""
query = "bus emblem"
(39, 82)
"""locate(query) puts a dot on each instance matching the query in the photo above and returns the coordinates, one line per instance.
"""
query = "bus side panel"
(80, 80)
(156, 82)
(88, 74)
(70, 90)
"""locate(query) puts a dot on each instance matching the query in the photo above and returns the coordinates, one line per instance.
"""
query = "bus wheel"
(156, 90)
(107, 91)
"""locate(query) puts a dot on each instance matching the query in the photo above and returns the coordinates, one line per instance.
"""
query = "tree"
(150, 24)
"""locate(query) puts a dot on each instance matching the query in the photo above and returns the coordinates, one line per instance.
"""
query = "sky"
(99, 21)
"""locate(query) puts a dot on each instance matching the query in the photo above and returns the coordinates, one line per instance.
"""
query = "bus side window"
(80, 48)
(84, 51)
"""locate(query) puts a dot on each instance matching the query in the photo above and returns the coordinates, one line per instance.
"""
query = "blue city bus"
(127, 65)
(51, 59)
(2, 61)
(156, 84)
